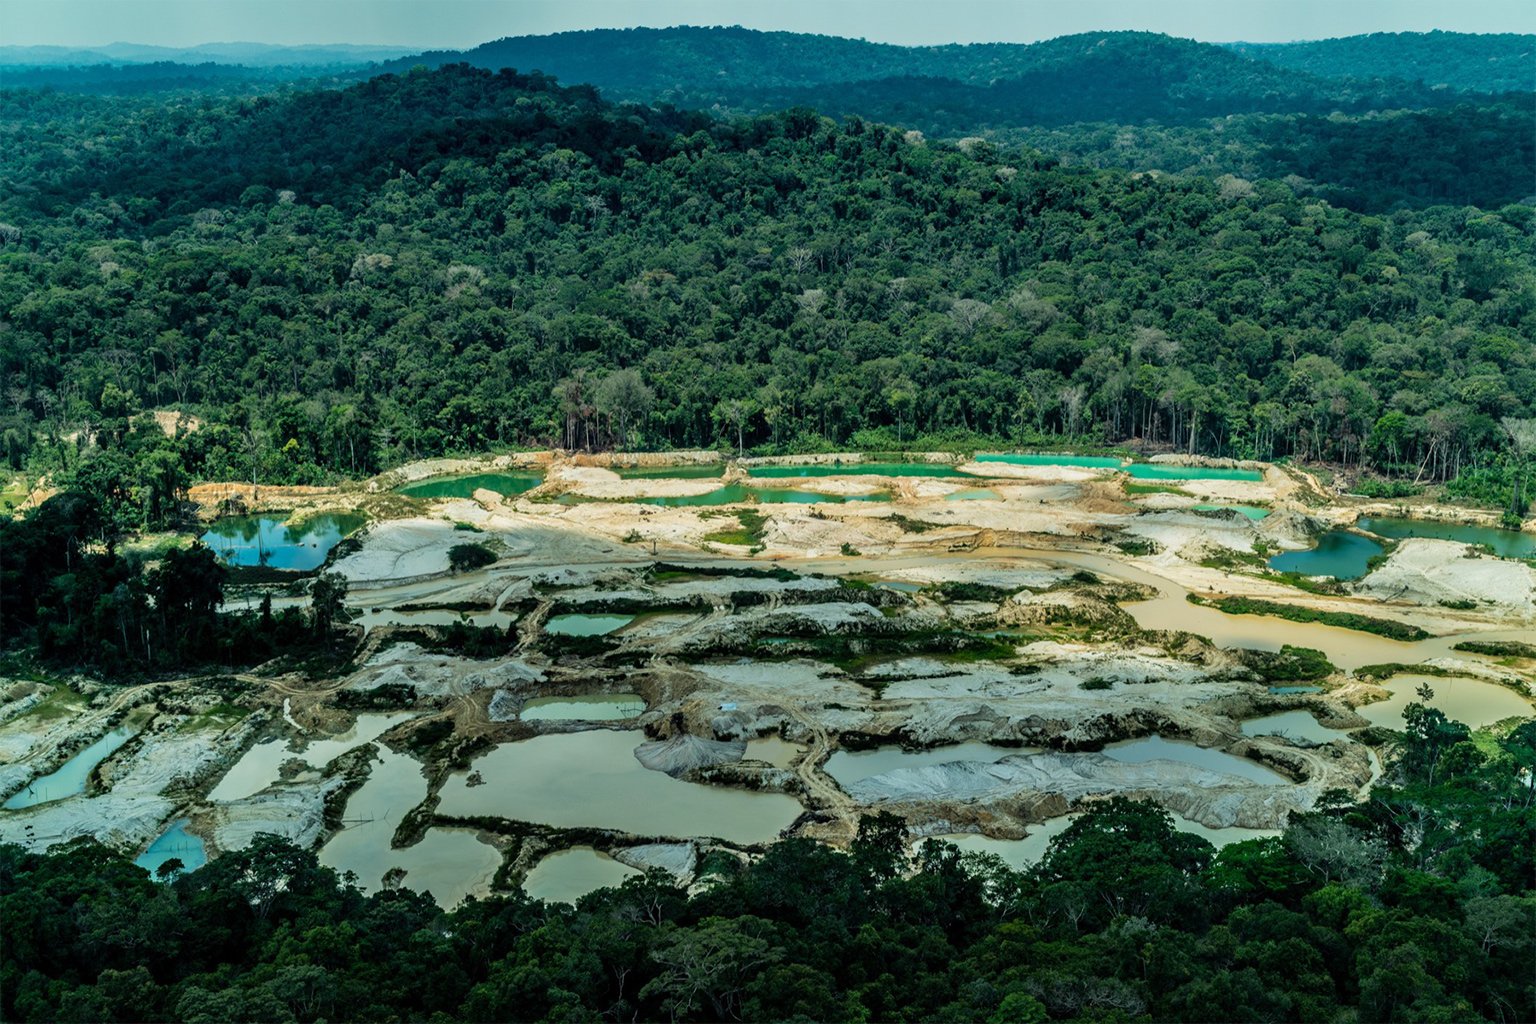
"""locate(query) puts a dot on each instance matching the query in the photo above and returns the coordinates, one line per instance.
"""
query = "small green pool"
(1251, 511)
(465, 486)
(586, 625)
(1339, 553)
(936, 469)
(708, 471)
(734, 493)
(1163, 471)
(1079, 461)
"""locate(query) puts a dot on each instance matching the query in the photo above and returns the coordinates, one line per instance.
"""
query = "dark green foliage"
(1299, 613)
(1486, 62)
(79, 602)
(962, 590)
(1498, 648)
(1375, 488)
(466, 557)
(1289, 664)
(336, 281)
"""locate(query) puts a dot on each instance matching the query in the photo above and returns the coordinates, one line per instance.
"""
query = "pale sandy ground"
(1042, 524)
(1428, 571)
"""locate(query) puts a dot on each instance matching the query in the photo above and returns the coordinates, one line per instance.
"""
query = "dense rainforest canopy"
(1412, 907)
(448, 260)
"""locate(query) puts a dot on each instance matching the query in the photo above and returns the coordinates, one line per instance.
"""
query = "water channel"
(69, 779)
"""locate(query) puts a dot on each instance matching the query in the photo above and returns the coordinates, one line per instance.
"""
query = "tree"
(624, 396)
(327, 597)
(714, 961)
(734, 413)
(467, 557)
(1522, 441)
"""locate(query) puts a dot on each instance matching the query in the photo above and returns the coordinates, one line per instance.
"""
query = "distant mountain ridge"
(650, 63)
(253, 55)
(1503, 62)
(955, 90)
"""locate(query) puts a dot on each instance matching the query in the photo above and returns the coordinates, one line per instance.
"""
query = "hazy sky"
(461, 23)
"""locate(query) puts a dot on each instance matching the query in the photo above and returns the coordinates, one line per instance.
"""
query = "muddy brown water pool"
(449, 863)
(568, 875)
(592, 780)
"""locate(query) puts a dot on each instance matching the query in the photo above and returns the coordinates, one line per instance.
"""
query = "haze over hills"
(253, 55)
(652, 63)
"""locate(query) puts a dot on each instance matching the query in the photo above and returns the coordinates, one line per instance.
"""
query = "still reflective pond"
(937, 469)
(1078, 461)
(1472, 702)
(1137, 470)
(449, 863)
(271, 542)
(1339, 553)
(1253, 512)
(1291, 724)
(732, 494)
(484, 619)
(594, 707)
(1160, 471)
(259, 768)
(175, 843)
(568, 875)
(69, 778)
(592, 780)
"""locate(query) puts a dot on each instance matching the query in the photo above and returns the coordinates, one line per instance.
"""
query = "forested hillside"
(448, 260)
(747, 67)
(1454, 60)
(1338, 113)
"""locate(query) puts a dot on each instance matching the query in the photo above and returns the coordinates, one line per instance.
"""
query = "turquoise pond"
(505, 484)
(1159, 471)
(1505, 543)
(734, 493)
(939, 469)
(263, 540)
(1080, 461)
(709, 471)
(69, 779)
(1138, 470)
(1251, 511)
(1339, 553)
(174, 843)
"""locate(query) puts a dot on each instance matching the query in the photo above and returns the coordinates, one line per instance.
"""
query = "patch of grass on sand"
(748, 532)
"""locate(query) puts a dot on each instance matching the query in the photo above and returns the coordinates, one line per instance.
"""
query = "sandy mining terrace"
(981, 654)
